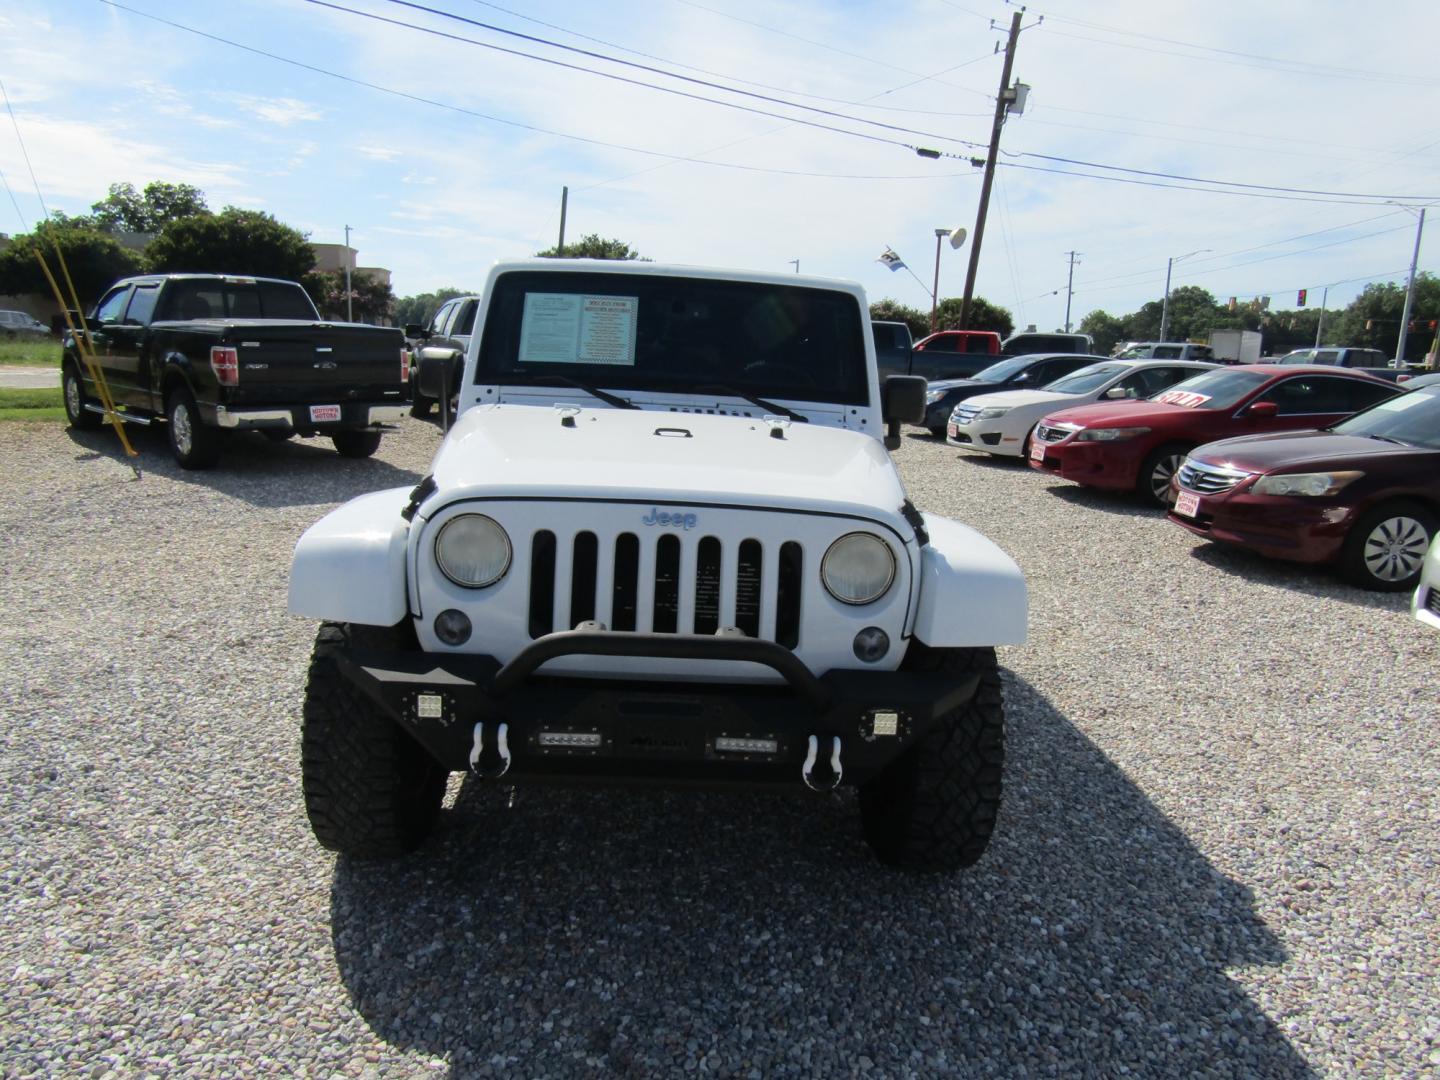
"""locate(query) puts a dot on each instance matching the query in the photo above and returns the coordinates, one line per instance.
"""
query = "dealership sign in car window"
(563, 328)
(1187, 399)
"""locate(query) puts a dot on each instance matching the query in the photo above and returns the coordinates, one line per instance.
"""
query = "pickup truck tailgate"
(299, 362)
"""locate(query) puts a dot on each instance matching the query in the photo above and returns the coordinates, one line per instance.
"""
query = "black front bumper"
(635, 731)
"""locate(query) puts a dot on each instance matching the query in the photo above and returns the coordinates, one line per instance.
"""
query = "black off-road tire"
(356, 444)
(933, 809)
(420, 405)
(370, 789)
(72, 388)
(194, 445)
(1384, 550)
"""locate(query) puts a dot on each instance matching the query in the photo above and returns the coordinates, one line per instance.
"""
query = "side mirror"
(415, 330)
(433, 377)
(1115, 393)
(1262, 409)
(902, 401)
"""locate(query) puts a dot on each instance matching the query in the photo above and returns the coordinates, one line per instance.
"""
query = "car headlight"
(1310, 483)
(1110, 434)
(991, 413)
(932, 396)
(858, 568)
(472, 550)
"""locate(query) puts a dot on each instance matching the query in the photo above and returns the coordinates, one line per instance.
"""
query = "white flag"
(890, 259)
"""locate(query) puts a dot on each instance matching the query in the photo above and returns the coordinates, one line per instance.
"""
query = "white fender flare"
(350, 565)
(971, 592)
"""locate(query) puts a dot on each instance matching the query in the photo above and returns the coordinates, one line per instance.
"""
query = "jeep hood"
(506, 451)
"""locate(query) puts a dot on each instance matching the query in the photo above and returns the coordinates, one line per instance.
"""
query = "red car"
(1138, 445)
(1364, 494)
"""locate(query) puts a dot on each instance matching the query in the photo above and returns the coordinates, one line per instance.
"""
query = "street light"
(1399, 360)
(1165, 304)
(957, 237)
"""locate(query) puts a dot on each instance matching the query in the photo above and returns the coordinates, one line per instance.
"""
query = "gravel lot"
(1218, 854)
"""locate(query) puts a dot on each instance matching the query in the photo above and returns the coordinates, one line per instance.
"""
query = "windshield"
(1087, 379)
(1212, 389)
(998, 373)
(1412, 418)
(1134, 352)
(674, 334)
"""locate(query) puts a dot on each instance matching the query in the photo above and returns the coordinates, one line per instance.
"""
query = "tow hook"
(502, 748)
(831, 782)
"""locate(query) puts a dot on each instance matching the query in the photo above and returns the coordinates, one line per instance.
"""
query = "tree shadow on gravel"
(1319, 581)
(310, 472)
(649, 933)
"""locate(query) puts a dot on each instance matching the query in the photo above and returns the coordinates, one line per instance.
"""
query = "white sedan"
(1001, 423)
(1426, 603)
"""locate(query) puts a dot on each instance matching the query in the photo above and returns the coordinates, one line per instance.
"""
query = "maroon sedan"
(1139, 445)
(1364, 494)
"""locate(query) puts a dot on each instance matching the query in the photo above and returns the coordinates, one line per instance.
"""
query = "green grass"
(30, 352)
(31, 404)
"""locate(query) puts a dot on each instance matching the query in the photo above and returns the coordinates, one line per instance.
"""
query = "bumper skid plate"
(472, 713)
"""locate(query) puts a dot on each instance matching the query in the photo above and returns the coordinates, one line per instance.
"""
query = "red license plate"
(1037, 450)
(952, 430)
(1187, 503)
(324, 414)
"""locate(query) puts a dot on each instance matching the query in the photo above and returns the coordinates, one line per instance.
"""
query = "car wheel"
(1025, 446)
(1154, 481)
(80, 418)
(370, 789)
(1384, 550)
(420, 405)
(938, 432)
(934, 807)
(356, 444)
(194, 445)
(278, 434)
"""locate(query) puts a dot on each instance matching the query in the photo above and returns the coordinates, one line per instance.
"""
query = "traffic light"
(1300, 300)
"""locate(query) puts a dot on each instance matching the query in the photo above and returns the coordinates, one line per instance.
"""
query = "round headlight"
(858, 568)
(472, 550)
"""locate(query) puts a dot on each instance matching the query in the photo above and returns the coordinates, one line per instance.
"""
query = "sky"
(443, 133)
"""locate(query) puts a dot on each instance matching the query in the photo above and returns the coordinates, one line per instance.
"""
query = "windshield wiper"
(565, 380)
(730, 391)
(1387, 438)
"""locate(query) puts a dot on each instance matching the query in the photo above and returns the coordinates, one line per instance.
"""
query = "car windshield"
(999, 372)
(1135, 352)
(1301, 356)
(672, 334)
(1212, 389)
(1412, 418)
(1087, 379)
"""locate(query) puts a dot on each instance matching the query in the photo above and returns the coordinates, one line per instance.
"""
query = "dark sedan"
(1363, 493)
(1013, 373)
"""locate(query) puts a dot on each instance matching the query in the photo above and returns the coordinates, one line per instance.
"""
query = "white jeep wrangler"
(662, 543)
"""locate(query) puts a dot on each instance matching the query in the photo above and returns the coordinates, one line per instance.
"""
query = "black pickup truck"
(212, 353)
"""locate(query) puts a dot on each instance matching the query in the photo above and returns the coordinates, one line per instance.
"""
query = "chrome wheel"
(181, 429)
(72, 396)
(1395, 548)
(1161, 470)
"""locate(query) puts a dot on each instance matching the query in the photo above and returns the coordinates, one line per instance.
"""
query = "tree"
(127, 210)
(92, 257)
(1373, 318)
(592, 246)
(983, 316)
(370, 299)
(888, 310)
(233, 241)
(1106, 329)
(421, 308)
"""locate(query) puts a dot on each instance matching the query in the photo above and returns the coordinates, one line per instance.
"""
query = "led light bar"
(727, 745)
(583, 740)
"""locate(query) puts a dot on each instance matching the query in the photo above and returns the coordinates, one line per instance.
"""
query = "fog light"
(871, 644)
(452, 627)
(727, 745)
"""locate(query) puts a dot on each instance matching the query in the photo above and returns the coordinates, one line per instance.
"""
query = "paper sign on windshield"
(1185, 398)
(566, 328)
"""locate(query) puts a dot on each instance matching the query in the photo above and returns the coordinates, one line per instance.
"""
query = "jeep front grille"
(695, 586)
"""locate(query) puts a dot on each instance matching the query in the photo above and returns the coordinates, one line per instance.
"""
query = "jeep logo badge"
(670, 521)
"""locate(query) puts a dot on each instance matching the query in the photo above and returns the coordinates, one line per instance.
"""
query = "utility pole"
(1320, 326)
(1002, 103)
(796, 264)
(1399, 360)
(940, 234)
(349, 305)
(564, 199)
(1070, 288)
